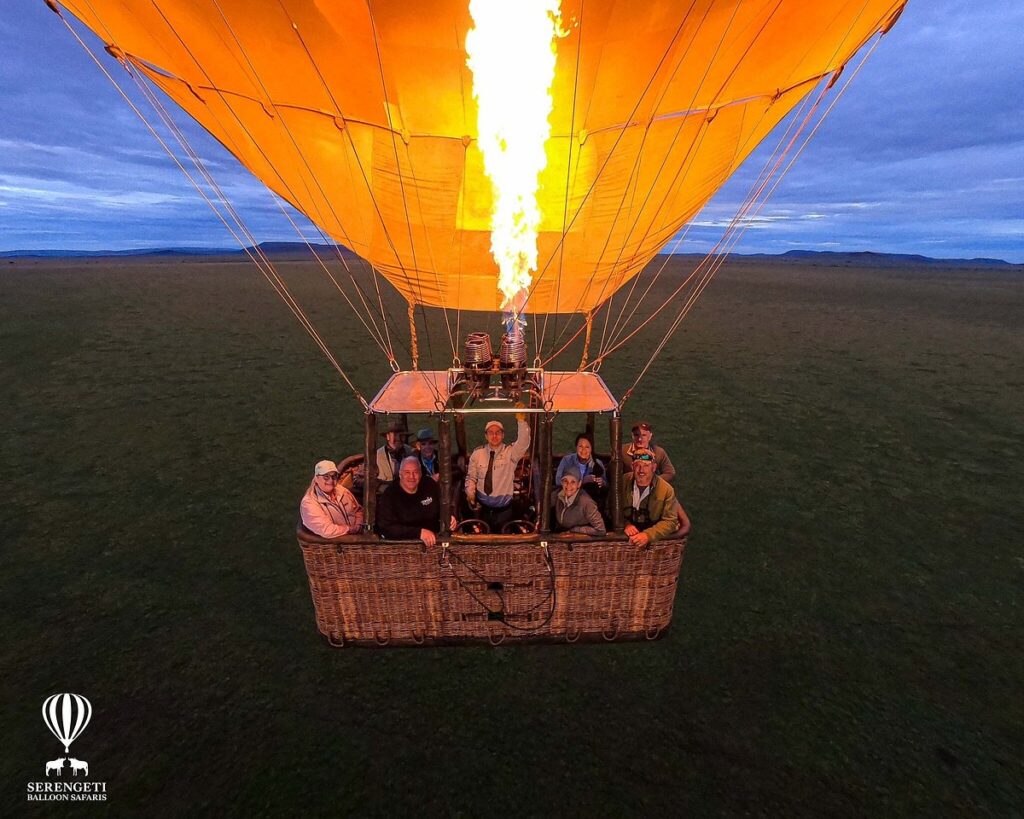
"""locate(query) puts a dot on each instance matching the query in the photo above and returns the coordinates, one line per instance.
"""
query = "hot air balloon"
(526, 158)
(66, 715)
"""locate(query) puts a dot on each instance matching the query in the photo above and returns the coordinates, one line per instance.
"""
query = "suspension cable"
(725, 33)
(741, 148)
(685, 165)
(169, 122)
(569, 176)
(253, 253)
(401, 183)
(604, 165)
(261, 88)
(733, 239)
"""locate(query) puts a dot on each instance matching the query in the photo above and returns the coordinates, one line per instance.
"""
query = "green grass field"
(848, 638)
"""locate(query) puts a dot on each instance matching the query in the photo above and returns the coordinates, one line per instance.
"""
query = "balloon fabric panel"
(361, 116)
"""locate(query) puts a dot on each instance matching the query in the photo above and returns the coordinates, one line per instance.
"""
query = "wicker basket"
(367, 591)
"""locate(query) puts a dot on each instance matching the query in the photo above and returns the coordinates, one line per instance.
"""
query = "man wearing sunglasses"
(328, 509)
(642, 434)
(648, 502)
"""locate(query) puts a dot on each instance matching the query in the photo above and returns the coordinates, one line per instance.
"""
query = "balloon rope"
(588, 326)
(366, 181)
(593, 275)
(346, 129)
(401, 187)
(586, 343)
(714, 255)
(414, 339)
(625, 126)
(299, 152)
(684, 166)
(253, 252)
(770, 170)
(634, 173)
(376, 332)
(183, 141)
(539, 345)
(620, 325)
(722, 256)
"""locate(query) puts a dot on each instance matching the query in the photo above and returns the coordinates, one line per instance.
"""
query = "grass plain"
(848, 636)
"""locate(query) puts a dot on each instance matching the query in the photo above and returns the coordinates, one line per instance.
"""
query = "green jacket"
(660, 506)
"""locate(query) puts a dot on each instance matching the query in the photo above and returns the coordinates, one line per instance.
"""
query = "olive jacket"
(657, 513)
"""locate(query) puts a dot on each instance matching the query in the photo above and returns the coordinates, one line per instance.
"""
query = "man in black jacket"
(410, 508)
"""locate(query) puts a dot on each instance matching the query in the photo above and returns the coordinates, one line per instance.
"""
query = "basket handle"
(614, 634)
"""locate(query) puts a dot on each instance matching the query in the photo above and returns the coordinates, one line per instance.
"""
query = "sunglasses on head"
(330, 476)
(643, 456)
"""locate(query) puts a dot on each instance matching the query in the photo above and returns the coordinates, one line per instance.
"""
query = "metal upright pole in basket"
(615, 484)
(370, 472)
(544, 456)
(444, 440)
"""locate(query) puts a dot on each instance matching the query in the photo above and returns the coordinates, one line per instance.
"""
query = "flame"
(511, 54)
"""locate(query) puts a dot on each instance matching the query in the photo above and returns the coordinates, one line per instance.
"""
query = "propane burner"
(485, 376)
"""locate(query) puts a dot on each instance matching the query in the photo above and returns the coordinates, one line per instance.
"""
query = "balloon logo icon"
(66, 715)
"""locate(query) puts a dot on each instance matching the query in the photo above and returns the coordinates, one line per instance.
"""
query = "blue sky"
(923, 154)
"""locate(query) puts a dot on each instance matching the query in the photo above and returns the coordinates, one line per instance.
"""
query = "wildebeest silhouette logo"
(67, 715)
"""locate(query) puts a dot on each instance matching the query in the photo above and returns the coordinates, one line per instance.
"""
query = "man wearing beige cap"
(328, 509)
(490, 477)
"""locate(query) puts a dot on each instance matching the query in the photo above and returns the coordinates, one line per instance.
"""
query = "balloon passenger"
(410, 508)
(648, 502)
(328, 509)
(490, 476)
(391, 454)
(642, 434)
(426, 448)
(575, 510)
(592, 471)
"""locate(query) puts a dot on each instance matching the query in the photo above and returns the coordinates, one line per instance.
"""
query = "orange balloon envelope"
(360, 114)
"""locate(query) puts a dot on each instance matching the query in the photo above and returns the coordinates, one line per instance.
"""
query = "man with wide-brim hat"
(392, 453)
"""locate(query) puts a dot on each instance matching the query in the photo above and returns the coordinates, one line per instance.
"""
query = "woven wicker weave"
(492, 589)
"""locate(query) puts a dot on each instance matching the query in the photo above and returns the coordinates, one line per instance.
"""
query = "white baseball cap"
(490, 424)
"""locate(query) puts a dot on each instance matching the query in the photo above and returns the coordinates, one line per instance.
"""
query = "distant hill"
(106, 254)
(868, 258)
(301, 249)
(269, 248)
